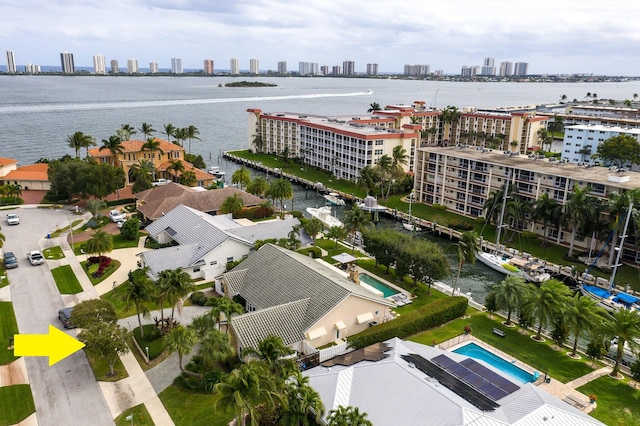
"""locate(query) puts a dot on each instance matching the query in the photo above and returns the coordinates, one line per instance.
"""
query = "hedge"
(428, 316)
(120, 202)
(316, 252)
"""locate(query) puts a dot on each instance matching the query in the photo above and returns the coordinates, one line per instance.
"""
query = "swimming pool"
(378, 285)
(474, 351)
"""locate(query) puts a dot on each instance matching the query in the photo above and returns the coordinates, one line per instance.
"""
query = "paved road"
(66, 393)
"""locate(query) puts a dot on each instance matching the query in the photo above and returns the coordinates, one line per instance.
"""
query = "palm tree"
(313, 227)
(258, 186)
(544, 302)
(94, 206)
(181, 339)
(143, 172)
(509, 294)
(625, 325)
(242, 176)
(580, 315)
(188, 178)
(232, 204)
(177, 285)
(280, 189)
(467, 248)
(147, 130)
(544, 138)
(114, 145)
(14, 190)
(373, 107)
(384, 167)
(125, 131)
(80, 140)
(450, 116)
(348, 416)
(302, 400)
(356, 220)
(138, 290)
(215, 347)
(336, 233)
(153, 145)
(192, 133)
(169, 130)
(273, 352)
(546, 210)
(578, 211)
(180, 134)
(177, 167)
(399, 158)
(99, 243)
(557, 125)
(228, 307)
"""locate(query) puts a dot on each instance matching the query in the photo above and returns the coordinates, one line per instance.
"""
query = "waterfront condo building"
(66, 60)
(99, 64)
(132, 66)
(114, 66)
(372, 69)
(32, 69)
(463, 179)
(521, 69)
(234, 65)
(254, 66)
(308, 68)
(581, 141)
(348, 68)
(153, 68)
(282, 67)
(416, 70)
(11, 62)
(488, 67)
(176, 66)
(208, 66)
(506, 69)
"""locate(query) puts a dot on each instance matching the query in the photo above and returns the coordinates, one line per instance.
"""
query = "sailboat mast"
(620, 247)
(504, 204)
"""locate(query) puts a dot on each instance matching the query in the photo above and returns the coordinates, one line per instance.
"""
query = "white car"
(35, 257)
(161, 182)
(121, 222)
(116, 216)
(13, 219)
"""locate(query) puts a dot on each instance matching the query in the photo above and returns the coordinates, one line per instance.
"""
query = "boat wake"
(13, 109)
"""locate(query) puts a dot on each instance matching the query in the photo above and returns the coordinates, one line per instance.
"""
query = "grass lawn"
(53, 253)
(115, 264)
(116, 297)
(618, 403)
(8, 327)
(59, 231)
(16, 404)
(120, 242)
(100, 369)
(4, 280)
(156, 346)
(66, 280)
(192, 409)
(541, 356)
(140, 415)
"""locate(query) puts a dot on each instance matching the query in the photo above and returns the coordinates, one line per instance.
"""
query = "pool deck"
(565, 391)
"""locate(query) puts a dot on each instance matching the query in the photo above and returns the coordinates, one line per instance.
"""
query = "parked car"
(121, 222)
(64, 315)
(13, 219)
(35, 257)
(161, 182)
(116, 216)
(10, 260)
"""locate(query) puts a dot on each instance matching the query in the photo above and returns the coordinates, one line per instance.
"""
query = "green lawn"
(66, 280)
(156, 345)
(140, 415)
(16, 404)
(192, 409)
(53, 253)
(618, 403)
(4, 280)
(120, 242)
(115, 296)
(100, 369)
(59, 231)
(8, 327)
(115, 264)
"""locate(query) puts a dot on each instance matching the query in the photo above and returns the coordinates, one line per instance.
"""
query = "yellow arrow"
(57, 345)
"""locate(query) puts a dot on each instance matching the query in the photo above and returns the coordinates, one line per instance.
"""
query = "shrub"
(423, 318)
(529, 235)
(121, 202)
(460, 224)
(439, 207)
(198, 298)
(130, 229)
(316, 253)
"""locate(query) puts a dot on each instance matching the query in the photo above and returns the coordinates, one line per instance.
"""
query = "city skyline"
(553, 37)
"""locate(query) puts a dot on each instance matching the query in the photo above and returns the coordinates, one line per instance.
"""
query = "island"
(249, 84)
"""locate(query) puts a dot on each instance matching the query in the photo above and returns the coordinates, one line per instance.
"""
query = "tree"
(373, 107)
(620, 150)
(546, 210)
(543, 303)
(427, 262)
(580, 315)
(79, 140)
(125, 131)
(635, 372)
(369, 179)
(384, 168)
(625, 325)
(153, 145)
(181, 339)
(313, 227)
(348, 416)
(258, 186)
(280, 189)
(176, 285)
(142, 172)
(215, 347)
(106, 340)
(114, 146)
(242, 177)
(192, 133)
(147, 130)
(99, 243)
(93, 311)
(450, 117)
(130, 228)
(467, 247)
(2, 240)
(336, 233)
(94, 206)
(181, 134)
(257, 142)
(138, 291)
(273, 352)
(232, 204)
(356, 221)
(176, 168)
(578, 210)
(544, 138)
(169, 130)
(188, 178)
(226, 306)
(557, 125)
(301, 400)
(509, 294)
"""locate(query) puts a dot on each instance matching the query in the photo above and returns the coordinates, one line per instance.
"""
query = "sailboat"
(411, 225)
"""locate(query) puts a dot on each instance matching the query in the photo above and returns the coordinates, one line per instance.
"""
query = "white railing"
(333, 351)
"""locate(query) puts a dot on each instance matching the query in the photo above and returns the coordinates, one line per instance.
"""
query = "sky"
(554, 37)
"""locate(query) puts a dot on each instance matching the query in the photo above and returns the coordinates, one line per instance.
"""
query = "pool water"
(474, 351)
(378, 285)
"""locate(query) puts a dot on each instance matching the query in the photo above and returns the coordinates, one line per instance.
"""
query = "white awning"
(316, 333)
(340, 325)
(366, 317)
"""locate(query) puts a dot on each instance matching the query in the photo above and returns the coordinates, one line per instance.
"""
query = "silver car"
(35, 257)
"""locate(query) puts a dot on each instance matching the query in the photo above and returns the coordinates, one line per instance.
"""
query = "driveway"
(66, 393)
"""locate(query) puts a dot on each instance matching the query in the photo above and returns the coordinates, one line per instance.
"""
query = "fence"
(329, 353)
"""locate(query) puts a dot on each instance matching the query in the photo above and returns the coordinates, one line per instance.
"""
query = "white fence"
(329, 353)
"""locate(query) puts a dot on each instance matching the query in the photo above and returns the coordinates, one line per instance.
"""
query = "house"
(403, 382)
(7, 165)
(202, 245)
(155, 202)
(163, 158)
(304, 301)
(31, 177)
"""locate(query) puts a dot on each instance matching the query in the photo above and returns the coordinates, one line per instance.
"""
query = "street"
(66, 393)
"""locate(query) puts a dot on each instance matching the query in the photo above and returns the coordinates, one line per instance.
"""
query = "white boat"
(411, 225)
(325, 216)
(369, 92)
(215, 171)
(334, 199)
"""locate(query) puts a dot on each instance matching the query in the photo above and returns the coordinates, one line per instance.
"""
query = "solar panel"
(505, 384)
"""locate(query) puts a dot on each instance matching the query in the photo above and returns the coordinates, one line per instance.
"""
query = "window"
(229, 259)
(213, 262)
(196, 270)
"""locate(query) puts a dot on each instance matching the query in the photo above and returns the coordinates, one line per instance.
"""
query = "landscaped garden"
(99, 268)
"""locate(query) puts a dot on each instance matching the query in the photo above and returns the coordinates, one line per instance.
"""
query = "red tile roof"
(136, 146)
(32, 172)
(4, 161)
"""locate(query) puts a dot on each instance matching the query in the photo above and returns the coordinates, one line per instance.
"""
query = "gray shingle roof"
(271, 229)
(170, 257)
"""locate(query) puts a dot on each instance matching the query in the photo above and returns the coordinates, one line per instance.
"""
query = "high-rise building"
(132, 66)
(282, 67)
(208, 66)
(66, 60)
(324, 70)
(11, 62)
(308, 68)
(99, 64)
(336, 70)
(521, 69)
(234, 67)
(348, 67)
(488, 67)
(254, 66)
(466, 71)
(114, 66)
(176, 66)
(32, 69)
(153, 67)
(506, 69)
(416, 70)
(372, 69)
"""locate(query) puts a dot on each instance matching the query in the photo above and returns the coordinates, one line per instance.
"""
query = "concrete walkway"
(589, 377)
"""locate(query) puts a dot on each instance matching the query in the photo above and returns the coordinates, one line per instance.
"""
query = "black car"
(10, 260)
(64, 315)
